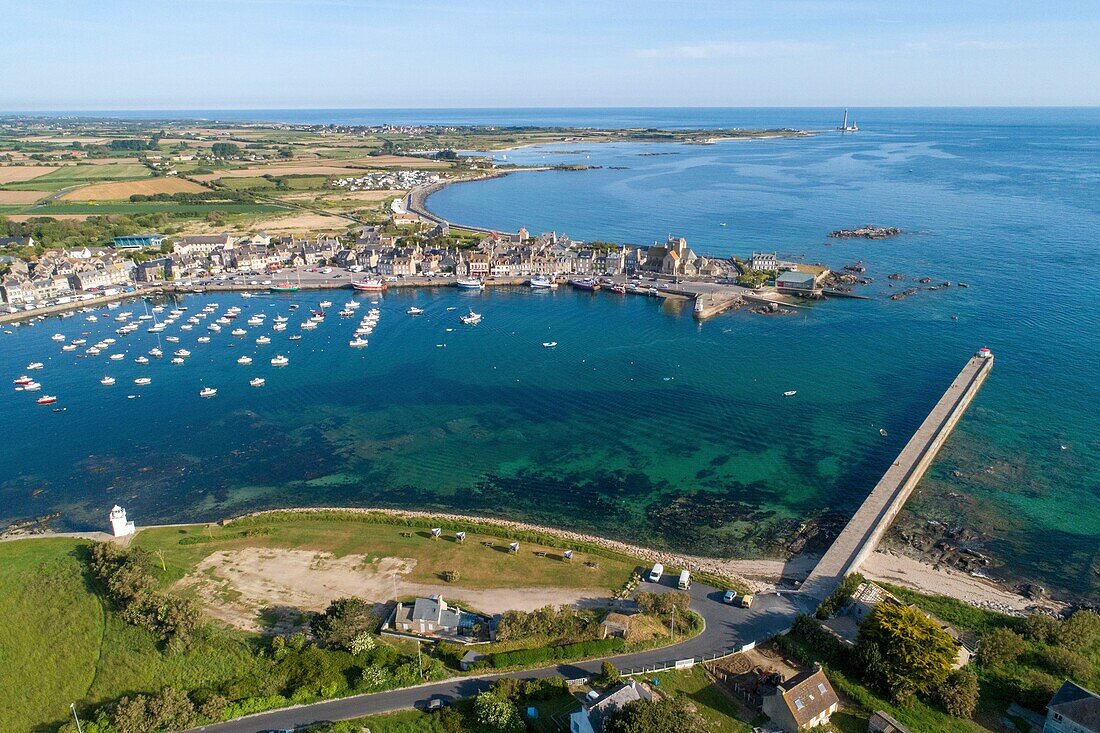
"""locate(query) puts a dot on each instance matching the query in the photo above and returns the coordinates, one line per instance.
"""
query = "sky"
(258, 54)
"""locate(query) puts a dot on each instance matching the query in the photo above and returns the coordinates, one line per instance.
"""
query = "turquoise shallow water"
(643, 424)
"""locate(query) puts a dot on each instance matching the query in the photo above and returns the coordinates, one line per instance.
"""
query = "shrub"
(1000, 646)
(363, 642)
(374, 678)
(609, 674)
(584, 649)
(840, 596)
(663, 604)
(1080, 630)
(497, 714)
(449, 576)
(343, 621)
(1041, 628)
(669, 715)
(959, 693)
(1067, 663)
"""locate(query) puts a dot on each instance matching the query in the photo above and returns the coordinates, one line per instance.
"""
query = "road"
(728, 629)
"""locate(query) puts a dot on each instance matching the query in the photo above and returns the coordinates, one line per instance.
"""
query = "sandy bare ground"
(126, 189)
(364, 195)
(21, 197)
(236, 585)
(15, 173)
(302, 223)
(923, 577)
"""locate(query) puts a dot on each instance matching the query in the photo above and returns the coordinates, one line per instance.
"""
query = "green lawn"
(52, 632)
(720, 712)
(479, 566)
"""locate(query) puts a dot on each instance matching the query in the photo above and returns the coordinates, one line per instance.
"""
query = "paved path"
(728, 629)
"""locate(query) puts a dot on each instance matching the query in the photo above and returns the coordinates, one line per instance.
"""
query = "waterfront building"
(796, 283)
(433, 617)
(764, 262)
(138, 241)
(1073, 709)
(204, 243)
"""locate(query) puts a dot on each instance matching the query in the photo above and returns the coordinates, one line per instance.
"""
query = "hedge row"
(579, 650)
(251, 532)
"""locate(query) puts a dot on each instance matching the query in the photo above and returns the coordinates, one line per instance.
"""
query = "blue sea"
(642, 423)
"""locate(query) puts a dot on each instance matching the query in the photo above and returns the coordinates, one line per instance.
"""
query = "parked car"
(729, 597)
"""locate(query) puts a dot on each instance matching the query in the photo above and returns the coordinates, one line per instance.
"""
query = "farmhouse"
(590, 718)
(806, 700)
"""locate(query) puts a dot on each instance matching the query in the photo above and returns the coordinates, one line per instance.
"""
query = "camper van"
(685, 580)
(656, 573)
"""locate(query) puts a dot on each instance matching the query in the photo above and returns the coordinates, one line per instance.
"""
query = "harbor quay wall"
(860, 537)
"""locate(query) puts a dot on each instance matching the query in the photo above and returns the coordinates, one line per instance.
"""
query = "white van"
(685, 580)
(656, 573)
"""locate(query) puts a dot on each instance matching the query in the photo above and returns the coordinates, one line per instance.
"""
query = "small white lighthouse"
(119, 526)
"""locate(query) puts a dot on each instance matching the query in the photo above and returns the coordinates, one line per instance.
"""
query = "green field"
(147, 207)
(479, 566)
(75, 175)
(60, 643)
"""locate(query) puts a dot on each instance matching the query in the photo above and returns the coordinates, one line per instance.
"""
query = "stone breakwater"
(720, 568)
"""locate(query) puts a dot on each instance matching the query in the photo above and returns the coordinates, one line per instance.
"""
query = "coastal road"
(728, 629)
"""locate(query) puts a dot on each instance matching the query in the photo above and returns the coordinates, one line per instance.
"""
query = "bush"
(555, 622)
(580, 650)
(1067, 663)
(497, 714)
(609, 674)
(669, 715)
(450, 576)
(663, 604)
(1000, 646)
(343, 621)
(959, 693)
(1041, 628)
(363, 642)
(1080, 630)
(840, 596)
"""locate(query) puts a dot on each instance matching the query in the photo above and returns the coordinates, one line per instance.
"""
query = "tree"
(1067, 663)
(1041, 628)
(609, 674)
(497, 714)
(225, 150)
(342, 621)
(1080, 630)
(670, 715)
(1000, 646)
(959, 693)
(131, 715)
(171, 709)
(916, 653)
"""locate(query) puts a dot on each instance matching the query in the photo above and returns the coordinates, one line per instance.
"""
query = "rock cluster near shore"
(867, 231)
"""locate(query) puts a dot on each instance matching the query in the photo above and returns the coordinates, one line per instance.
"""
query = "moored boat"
(414, 311)
(207, 392)
(469, 283)
(542, 282)
(584, 283)
(257, 381)
(471, 318)
(280, 360)
(142, 381)
(245, 360)
(107, 381)
(372, 284)
(46, 399)
(35, 365)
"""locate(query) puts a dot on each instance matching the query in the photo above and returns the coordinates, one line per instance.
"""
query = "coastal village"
(412, 251)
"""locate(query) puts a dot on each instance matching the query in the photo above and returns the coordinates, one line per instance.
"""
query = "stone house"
(805, 701)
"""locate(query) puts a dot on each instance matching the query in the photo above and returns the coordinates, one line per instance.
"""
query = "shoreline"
(760, 575)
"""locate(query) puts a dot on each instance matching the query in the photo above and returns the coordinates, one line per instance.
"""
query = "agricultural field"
(19, 173)
(151, 207)
(124, 190)
(75, 175)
